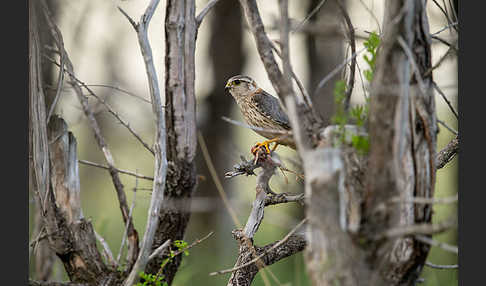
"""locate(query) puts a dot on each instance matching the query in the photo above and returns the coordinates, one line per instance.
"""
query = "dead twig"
(352, 43)
(336, 70)
(447, 154)
(121, 90)
(110, 110)
(133, 235)
(445, 99)
(312, 13)
(204, 11)
(448, 127)
(196, 242)
(217, 182)
(122, 244)
(160, 249)
(118, 170)
(106, 250)
(160, 165)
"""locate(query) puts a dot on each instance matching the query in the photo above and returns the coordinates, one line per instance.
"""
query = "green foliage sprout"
(371, 45)
(158, 279)
(359, 113)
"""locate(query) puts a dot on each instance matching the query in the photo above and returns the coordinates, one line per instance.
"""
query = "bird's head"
(240, 85)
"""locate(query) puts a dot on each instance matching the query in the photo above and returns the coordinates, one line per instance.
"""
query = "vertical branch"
(160, 169)
(264, 46)
(285, 47)
(180, 102)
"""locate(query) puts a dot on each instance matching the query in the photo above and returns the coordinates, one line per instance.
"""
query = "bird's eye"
(237, 81)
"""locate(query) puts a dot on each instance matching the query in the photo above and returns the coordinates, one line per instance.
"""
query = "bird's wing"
(270, 107)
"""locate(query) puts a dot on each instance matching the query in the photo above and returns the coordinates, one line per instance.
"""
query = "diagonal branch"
(132, 233)
(119, 170)
(205, 11)
(107, 106)
(447, 154)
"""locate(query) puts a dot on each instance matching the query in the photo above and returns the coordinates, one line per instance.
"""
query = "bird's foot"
(265, 144)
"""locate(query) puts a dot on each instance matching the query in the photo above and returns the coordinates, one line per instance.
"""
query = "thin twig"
(264, 253)
(60, 82)
(336, 70)
(160, 165)
(447, 127)
(196, 242)
(352, 43)
(302, 89)
(312, 13)
(445, 99)
(133, 235)
(121, 90)
(106, 249)
(118, 170)
(439, 62)
(444, 28)
(111, 110)
(442, 245)
(160, 249)
(217, 182)
(446, 15)
(126, 225)
(204, 11)
(372, 15)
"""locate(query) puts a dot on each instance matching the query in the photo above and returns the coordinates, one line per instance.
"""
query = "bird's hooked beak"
(228, 86)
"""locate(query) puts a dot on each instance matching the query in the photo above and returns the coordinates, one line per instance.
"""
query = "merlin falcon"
(260, 109)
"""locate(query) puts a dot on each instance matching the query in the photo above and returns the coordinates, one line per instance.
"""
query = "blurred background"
(105, 53)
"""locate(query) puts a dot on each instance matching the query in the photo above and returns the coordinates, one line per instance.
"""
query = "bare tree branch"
(160, 249)
(445, 99)
(447, 154)
(204, 11)
(160, 169)
(352, 43)
(132, 233)
(118, 170)
(106, 250)
(260, 256)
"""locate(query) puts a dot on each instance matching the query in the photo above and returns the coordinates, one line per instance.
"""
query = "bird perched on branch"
(262, 110)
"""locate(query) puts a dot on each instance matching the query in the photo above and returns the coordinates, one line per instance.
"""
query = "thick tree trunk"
(401, 164)
(403, 132)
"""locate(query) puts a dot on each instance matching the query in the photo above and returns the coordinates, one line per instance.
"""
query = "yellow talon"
(265, 143)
